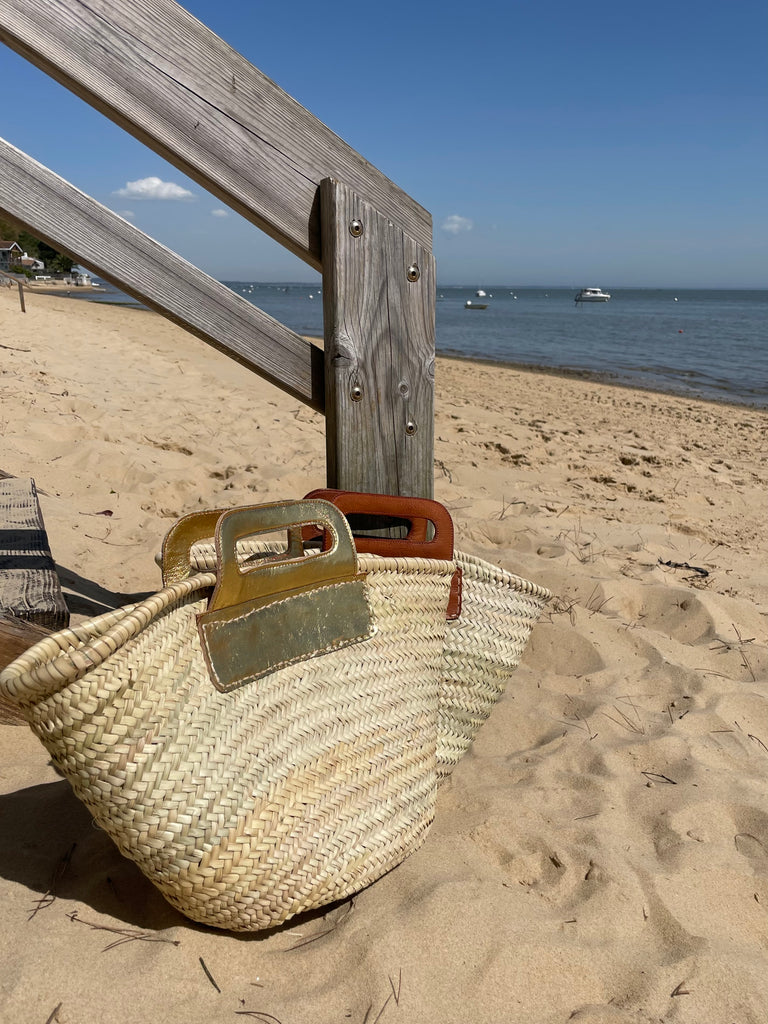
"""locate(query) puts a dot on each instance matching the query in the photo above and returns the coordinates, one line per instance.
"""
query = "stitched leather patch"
(243, 643)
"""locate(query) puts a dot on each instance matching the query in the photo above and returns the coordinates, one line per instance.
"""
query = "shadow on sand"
(50, 844)
(85, 597)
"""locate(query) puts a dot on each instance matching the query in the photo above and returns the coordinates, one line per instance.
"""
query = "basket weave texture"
(248, 807)
(481, 648)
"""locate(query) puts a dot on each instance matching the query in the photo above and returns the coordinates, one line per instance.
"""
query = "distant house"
(11, 255)
(30, 263)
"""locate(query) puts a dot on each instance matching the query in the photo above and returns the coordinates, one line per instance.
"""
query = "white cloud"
(454, 224)
(219, 213)
(153, 188)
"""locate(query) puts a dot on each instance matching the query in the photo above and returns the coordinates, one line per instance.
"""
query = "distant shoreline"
(569, 373)
(56, 287)
(596, 377)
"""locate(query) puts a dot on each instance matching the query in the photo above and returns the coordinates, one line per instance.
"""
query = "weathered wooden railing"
(12, 280)
(163, 76)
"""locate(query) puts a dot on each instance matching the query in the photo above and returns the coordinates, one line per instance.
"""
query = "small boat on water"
(592, 295)
(469, 304)
(480, 293)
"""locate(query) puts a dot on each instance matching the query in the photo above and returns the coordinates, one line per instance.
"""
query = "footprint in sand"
(562, 650)
(529, 862)
(750, 846)
(551, 551)
(677, 613)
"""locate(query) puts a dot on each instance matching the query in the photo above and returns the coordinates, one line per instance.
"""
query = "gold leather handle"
(176, 555)
(278, 611)
(260, 582)
(181, 538)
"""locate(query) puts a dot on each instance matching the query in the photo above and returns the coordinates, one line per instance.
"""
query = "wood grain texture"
(162, 75)
(54, 210)
(29, 585)
(379, 349)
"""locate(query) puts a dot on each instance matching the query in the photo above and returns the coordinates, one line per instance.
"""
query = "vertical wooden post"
(379, 313)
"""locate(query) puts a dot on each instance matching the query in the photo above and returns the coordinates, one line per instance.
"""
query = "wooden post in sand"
(19, 285)
(204, 108)
(379, 314)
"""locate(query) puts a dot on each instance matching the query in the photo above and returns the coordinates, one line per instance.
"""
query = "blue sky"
(553, 143)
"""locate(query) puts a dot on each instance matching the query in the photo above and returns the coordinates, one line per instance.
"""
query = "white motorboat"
(480, 293)
(592, 295)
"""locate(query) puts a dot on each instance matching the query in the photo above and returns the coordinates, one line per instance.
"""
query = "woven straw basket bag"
(260, 740)
(491, 615)
(490, 618)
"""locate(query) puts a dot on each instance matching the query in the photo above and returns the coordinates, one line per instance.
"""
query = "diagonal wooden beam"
(162, 75)
(54, 210)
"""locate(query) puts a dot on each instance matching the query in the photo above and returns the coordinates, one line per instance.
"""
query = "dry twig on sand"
(127, 934)
(265, 1018)
(394, 994)
(49, 896)
(208, 975)
(343, 914)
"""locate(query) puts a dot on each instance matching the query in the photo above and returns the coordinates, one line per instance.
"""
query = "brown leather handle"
(417, 512)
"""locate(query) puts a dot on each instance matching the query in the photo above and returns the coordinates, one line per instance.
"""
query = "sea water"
(706, 344)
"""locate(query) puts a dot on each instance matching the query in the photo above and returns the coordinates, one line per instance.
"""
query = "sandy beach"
(601, 853)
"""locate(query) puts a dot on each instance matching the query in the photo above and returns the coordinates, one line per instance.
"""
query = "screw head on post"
(413, 273)
(355, 228)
